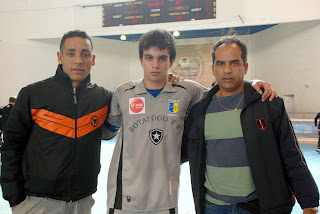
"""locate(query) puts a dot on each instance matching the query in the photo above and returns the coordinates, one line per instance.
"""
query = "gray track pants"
(39, 205)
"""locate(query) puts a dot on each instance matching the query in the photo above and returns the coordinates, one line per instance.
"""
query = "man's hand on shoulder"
(172, 78)
(268, 91)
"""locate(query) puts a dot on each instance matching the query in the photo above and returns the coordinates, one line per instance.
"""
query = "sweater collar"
(250, 94)
(65, 79)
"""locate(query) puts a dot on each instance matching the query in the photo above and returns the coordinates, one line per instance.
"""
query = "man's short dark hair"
(74, 33)
(12, 99)
(161, 39)
(229, 40)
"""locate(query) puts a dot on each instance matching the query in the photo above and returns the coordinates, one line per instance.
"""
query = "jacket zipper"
(75, 96)
(75, 103)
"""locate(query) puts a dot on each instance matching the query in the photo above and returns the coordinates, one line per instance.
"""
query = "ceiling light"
(123, 37)
(176, 33)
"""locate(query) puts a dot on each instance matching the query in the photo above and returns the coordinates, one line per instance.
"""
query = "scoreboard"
(151, 11)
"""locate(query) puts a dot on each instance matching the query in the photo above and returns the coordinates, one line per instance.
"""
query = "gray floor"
(307, 144)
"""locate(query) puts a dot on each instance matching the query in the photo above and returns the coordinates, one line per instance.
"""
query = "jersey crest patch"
(156, 136)
(261, 123)
(173, 107)
(137, 105)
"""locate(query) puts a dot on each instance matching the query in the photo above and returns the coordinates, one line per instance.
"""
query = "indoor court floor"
(307, 144)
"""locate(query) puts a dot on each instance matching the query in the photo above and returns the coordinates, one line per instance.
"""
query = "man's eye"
(235, 63)
(86, 55)
(148, 58)
(70, 54)
(162, 59)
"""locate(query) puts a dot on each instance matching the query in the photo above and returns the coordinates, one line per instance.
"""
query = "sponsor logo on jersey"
(156, 136)
(173, 107)
(261, 123)
(94, 121)
(137, 105)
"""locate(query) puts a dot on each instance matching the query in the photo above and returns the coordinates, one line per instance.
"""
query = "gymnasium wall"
(285, 55)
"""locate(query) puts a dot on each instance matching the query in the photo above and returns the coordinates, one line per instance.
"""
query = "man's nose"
(227, 68)
(78, 59)
(155, 63)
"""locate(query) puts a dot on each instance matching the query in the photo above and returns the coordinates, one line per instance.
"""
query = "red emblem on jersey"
(261, 123)
(136, 105)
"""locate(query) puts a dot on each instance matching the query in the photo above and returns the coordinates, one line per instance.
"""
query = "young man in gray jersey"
(243, 154)
(145, 167)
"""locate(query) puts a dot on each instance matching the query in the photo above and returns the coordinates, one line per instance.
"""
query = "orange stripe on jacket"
(91, 122)
(53, 122)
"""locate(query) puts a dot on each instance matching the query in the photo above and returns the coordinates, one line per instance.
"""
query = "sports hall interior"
(283, 49)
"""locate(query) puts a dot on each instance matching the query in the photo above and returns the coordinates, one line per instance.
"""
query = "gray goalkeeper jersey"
(150, 142)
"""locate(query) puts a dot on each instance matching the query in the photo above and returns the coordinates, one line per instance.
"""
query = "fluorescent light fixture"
(123, 37)
(176, 33)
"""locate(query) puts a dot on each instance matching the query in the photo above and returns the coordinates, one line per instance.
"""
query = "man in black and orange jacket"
(51, 150)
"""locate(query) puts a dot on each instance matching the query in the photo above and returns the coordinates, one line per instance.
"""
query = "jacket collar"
(250, 94)
(9, 106)
(65, 79)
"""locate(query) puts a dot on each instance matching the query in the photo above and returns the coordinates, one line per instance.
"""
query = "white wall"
(287, 56)
(22, 64)
(114, 62)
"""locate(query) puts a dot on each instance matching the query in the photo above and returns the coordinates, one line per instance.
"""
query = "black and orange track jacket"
(52, 140)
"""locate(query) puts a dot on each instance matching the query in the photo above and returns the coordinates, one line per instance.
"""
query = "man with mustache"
(244, 156)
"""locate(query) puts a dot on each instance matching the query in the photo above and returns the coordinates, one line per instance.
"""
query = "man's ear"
(171, 63)
(246, 68)
(212, 68)
(93, 60)
(59, 55)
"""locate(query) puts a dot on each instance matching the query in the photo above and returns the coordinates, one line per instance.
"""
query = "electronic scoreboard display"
(150, 11)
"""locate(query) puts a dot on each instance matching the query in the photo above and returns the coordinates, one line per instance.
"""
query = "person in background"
(317, 125)
(145, 167)
(51, 151)
(243, 153)
(4, 114)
